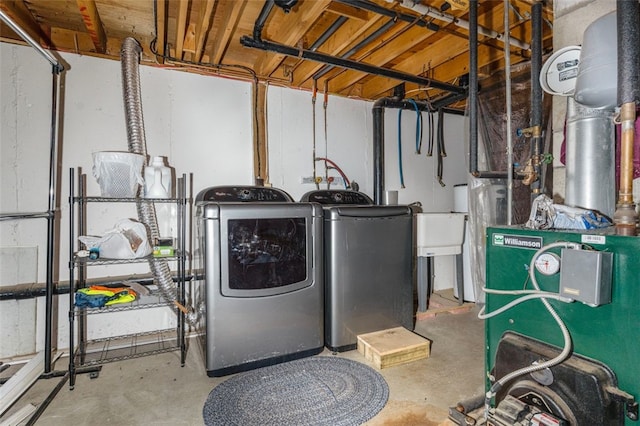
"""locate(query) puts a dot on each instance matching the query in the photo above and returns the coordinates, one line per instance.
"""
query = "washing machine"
(368, 266)
(261, 256)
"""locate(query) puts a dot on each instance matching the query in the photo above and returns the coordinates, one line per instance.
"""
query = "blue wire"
(400, 147)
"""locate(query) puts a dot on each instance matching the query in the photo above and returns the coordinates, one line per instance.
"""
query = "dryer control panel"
(337, 197)
(250, 194)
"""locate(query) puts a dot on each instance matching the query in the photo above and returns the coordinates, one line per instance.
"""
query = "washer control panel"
(337, 196)
(250, 194)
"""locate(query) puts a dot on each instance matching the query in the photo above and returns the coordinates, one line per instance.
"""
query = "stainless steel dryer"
(262, 260)
(368, 266)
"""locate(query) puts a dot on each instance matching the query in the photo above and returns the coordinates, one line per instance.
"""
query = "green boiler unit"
(577, 363)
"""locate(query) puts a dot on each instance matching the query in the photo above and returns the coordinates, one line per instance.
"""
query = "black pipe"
(51, 218)
(262, 18)
(347, 63)
(453, 111)
(536, 95)
(472, 101)
(378, 132)
(378, 139)
(378, 152)
(380, 10)
(628, 38)
(72, 212)
(328, 33)
(628, 55)
(31, 291)
(383, 29)
(447, 100)
(536, 64)
(492, 175)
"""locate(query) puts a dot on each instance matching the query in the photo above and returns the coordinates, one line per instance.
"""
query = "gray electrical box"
(586, 276)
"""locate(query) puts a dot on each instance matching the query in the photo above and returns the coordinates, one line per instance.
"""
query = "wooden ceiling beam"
(202, 28)
(181, 26)
(405, 41)
(294, 26)
(18, 12)
(232, 14)
(451, 69)
(189, 45)
(489, 58)
(435, 54)
(340, 42)
(93, 24)
(348, 11)
(342, 80)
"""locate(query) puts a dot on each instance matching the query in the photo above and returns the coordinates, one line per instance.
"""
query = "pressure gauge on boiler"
(548, 263)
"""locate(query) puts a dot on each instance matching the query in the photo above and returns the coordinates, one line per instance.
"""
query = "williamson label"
(519, 241)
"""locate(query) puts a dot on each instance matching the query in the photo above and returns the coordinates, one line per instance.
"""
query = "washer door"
(265, 249)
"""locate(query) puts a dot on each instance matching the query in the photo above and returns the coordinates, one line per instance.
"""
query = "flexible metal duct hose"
(130, 58)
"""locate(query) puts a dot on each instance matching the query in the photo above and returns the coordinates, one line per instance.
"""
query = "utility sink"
(439, 234)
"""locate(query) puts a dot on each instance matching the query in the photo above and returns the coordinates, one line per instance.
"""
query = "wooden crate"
(394, 346)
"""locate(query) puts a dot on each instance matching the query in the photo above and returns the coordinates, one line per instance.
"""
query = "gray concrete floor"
(156, 390)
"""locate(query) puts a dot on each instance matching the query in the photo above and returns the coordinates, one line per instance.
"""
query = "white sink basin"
(439, 234)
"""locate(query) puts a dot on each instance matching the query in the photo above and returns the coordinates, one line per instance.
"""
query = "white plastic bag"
(127, 240)
(546, 215)
(118, 173)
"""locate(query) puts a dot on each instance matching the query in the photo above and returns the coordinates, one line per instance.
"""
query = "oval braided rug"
(321, 390)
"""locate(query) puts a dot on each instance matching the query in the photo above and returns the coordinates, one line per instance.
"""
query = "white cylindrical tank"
(597, 80)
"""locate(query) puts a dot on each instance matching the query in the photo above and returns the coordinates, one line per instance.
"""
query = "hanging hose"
(347, 182)
(400, 148)
(418, 126)
(418, 137)
(313, 117)
(130, 58)
(440, 146)
(430, 147)
(326, 149)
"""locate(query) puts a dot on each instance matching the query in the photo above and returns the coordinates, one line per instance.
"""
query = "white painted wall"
(203, 124)
(349, 144)
(290, 139)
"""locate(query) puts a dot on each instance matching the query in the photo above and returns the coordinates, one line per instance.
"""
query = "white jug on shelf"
(157, 179)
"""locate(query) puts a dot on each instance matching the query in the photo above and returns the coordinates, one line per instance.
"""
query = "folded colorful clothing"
(97, 296)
